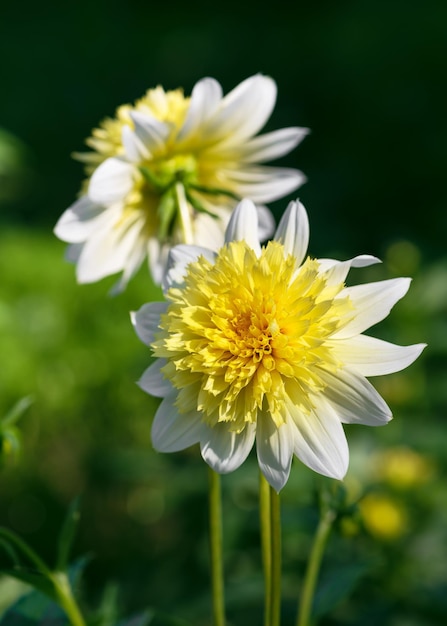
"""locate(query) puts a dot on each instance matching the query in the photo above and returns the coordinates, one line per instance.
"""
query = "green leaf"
(34, 609)
(37, 581)
(67, 535)
(17, 411)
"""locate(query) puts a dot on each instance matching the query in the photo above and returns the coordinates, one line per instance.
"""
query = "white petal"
(79, 221)
(225, 451)
(320, 442)
(293, 231)
(372, 303)
(133, 264)
(374, 357)
(111, 181)
(263, 184)
(108, 251)
(73, 252)
(275, 450)
(205, 98)
(337, 271)
(154, 382)
(269, 146)
(266, 222)
(355, 399)
(135, 149)
(157, 254)
(147, 319)
(173, 431)
(243, 225)
(150, 131)
(243, 112)
(178, 260)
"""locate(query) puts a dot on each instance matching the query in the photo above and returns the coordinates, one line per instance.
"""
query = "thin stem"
(266, 545)
(58, 579)
(275, 516)
(215, 511)
(185, 217)
(66, 599)
(313, 567)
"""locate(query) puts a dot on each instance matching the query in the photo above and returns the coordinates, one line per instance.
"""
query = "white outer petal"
(337, 271)
(178, 260)
(173, 431)
(293, 231)
(147, 319)
(134, 148)
(275, 450)
(153, 381)
(80, 220)
(205, 98)
(111, 181)
(243, 111)
(109, 250)
(266, 222)
(151, 132)
(268, 146)
(372, 303)
(319, 439)
(373, 357)
(354, 398)
(225, 451)
(262, 183)
(243, 225)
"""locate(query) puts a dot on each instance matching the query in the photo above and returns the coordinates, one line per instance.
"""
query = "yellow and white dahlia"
(263, 344)
(169, 170)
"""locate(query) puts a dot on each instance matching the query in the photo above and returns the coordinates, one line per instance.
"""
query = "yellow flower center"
(249, 334)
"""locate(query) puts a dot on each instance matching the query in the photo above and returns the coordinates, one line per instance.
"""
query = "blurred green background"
(369, 79)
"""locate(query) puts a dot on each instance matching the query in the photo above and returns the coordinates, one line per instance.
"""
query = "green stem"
(275, 517)
(313, 567)
(185, 217)
(266, 543)
(58, 579)
(215, 510)
(66, 599)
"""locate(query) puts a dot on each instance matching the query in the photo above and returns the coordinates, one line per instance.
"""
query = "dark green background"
(368, 77)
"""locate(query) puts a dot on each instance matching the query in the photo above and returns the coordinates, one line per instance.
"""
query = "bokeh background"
(369, 79)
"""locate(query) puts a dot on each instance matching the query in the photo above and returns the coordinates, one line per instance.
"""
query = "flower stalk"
(266, 543)
(215, 514)
(326, 521)
(275, 582)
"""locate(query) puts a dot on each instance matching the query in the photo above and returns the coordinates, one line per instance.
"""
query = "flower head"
(262, 344)
(170, 169)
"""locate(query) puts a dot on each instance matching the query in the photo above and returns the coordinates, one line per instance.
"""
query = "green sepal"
(157, 183)
(214, 191)
(166, 212)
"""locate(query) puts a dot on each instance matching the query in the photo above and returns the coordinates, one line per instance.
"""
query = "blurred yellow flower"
(383, 516)
(170, 169)
(403, 468)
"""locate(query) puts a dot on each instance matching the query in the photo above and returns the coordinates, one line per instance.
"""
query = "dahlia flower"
(261, 344)
(169, 170)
